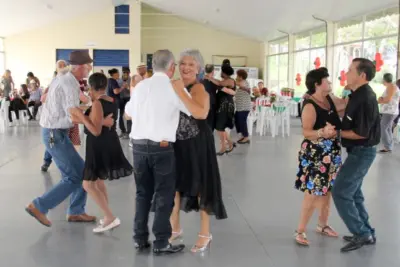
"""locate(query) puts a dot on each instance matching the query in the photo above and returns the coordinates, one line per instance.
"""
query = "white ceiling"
(257, 19)
(21, 15)
(261, 19)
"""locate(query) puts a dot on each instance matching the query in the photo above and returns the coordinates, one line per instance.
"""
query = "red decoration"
(342, 78)
(378, 61)
(298, 79)
(317, 63)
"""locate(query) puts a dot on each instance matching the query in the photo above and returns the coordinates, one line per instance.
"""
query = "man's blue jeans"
(71, 166)
(347, 193)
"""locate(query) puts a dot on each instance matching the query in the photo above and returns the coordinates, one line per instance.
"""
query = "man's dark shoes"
(142, 246)
(358, 242)
(349, 238)
(170, 249)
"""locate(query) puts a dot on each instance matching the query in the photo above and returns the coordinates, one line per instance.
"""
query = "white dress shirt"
(63, 94)
(154, 108)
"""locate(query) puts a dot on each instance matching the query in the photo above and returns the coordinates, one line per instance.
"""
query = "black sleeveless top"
(187, 127)
(324, 116)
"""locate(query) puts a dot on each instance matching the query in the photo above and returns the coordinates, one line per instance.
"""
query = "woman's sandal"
(327, 231)
(176, 236)
(301, 239)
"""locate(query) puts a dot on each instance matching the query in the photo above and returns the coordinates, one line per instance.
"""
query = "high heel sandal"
(206, 246)
(176, 236)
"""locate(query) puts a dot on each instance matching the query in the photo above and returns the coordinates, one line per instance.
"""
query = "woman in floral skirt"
(320, 153)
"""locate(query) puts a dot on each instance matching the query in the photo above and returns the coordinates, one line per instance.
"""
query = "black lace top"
(187, 127)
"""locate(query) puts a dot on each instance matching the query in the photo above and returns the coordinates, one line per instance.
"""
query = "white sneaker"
(101, 228)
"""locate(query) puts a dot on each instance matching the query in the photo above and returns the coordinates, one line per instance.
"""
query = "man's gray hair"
(196, 55)
(60, 69)
(162, 60)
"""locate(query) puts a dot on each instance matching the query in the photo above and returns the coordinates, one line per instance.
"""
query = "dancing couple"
(104, 156)
(174, 153)
(321, 172)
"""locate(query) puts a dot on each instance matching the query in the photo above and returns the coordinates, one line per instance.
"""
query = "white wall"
(36, 50)
(165, 31)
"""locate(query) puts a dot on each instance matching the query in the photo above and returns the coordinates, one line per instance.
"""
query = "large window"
(122, 19)
(278, 64)
(2, 58)
(310, 53)
(371, 36)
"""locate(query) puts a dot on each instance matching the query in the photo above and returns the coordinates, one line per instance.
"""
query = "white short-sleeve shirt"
(154, 108)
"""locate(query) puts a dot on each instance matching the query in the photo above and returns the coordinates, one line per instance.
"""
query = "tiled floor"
(262, 205)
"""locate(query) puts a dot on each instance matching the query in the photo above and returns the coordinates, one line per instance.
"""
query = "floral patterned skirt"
(319, 162)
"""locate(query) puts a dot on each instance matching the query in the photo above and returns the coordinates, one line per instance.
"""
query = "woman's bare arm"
(199, 104)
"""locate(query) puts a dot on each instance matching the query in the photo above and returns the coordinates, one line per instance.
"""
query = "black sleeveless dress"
(104, 156)
(225, 111)
(198, 177)
(320, 160)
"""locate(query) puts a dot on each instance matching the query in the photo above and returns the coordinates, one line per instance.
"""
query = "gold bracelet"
(319, 133)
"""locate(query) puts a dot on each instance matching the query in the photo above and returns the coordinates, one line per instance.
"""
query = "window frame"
(279, 42)
(363, 40)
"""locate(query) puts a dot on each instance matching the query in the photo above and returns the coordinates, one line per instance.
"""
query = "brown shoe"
(35, 213)
(81, 218)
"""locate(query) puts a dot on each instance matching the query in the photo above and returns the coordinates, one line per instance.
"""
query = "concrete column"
(135, 34)
(265, 60)
(330, 53)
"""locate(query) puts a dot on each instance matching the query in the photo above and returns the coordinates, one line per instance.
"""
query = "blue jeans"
(47, 158)
(71, 166)
(347, 194)
(154, 168)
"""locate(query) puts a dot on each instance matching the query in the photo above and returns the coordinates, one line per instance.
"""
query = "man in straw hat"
(63, 96)
(140, 76)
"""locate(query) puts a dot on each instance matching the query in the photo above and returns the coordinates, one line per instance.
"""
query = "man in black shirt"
(211, 89)
(360, 135)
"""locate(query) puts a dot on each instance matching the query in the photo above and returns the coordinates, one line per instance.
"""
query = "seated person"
(34, 98)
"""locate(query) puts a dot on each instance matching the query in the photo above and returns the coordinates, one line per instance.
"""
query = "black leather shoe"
(357, 242)
(142, 246)
(170, 249)
(349, 238)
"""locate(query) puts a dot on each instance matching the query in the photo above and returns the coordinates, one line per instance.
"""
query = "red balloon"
(317, 63)
(298, 79)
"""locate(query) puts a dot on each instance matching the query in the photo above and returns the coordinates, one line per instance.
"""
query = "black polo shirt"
(362, 117)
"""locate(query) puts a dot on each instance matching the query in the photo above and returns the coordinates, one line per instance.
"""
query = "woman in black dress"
(225, 106)
(198, 178)
(105, 159)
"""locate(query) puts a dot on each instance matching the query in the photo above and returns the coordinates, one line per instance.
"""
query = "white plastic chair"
(4, 123)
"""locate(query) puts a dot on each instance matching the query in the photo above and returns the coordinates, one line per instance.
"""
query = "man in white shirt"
(140, 76)
(154, 109)
(55, 120)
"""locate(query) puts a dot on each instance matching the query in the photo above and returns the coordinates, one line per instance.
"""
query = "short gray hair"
(196, 55)
(61, 69)
(162, 60)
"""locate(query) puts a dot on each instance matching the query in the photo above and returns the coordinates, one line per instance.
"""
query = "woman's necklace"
(98, 98)
(323, 104)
